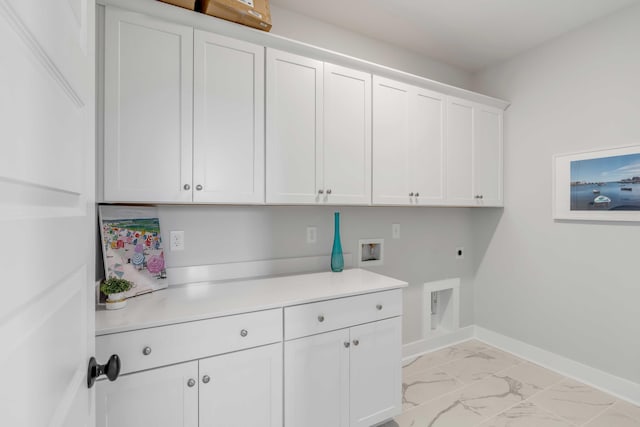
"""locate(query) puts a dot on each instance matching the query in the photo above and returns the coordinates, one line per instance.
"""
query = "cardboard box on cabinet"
(187, 4)
(253, 13)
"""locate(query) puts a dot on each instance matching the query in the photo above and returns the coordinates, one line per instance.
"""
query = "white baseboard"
(416, 348)
(616, 386)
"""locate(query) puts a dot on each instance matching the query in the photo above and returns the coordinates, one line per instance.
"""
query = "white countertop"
(208, 300)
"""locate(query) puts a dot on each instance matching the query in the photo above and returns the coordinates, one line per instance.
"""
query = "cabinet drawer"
(314, 318)
(193, 340)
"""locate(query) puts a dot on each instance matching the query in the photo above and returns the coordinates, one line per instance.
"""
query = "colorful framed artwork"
(132, 247)
(599, 185)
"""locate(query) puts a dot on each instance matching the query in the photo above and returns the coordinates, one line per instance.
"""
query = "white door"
(294, 128)
(346, 153)
(163, 397)
(228, 139)
(148, 89)
(375, 375)
(459, 152)
(242, 389)
(427, 146)
(316, 380)
(391, 185)
(487, 155)
(47, 211)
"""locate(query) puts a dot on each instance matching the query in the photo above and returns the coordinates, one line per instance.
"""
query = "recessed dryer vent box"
(370, 252)
(441, 307)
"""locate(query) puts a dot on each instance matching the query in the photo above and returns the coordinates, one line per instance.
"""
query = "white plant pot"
(116, 301)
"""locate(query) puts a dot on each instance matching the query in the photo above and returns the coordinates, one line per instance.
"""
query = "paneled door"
(47, 211)
(228, 138)
(487, 155)
(460, 152)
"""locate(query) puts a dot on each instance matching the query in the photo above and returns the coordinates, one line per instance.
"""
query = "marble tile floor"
(474, 385)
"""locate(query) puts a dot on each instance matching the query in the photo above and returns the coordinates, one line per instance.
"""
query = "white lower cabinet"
(219, 372)
(240, 389)
(159, 397)
(349, 377)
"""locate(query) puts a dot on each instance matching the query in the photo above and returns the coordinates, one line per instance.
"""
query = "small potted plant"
(115, 288)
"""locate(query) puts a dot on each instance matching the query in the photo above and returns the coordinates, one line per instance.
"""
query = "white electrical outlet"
(176, 240)
(395, 231)
(312, 235)
(460, 253)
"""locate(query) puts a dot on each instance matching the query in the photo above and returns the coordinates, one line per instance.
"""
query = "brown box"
(187, 4)
(253, 13)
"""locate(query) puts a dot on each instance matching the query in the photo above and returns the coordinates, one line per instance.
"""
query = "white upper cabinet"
(318, 132)
(346, 154)
(474, 154)
(408, 144)
(294, 128)
(148, 105)
(391, 178)
(228, 141)
(487, 154)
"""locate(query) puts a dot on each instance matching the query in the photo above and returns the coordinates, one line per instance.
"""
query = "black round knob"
(111, 369)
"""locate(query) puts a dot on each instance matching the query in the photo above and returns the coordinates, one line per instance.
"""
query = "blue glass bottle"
(337, 260)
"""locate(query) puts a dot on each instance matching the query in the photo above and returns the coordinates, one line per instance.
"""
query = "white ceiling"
(470, 34)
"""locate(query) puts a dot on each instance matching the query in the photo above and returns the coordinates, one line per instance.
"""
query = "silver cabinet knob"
(146, 351)
(481, 196)
(411, 194)
(244, 333)
(379, 307)
(191, 382)
(206, 379)
(321, 191)
(417, 194)
(199, 187)
(187, 187)
(347, 344)
(477, 196)
(356, 342)
(329, 191)
(321, 318)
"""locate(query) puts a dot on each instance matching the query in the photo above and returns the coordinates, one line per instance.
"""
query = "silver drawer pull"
(244, 333)
(187, 187)
(206, 379)
(356, 342)
(379, 307)
(347, 344)
(191, 382)
(321, 318)
(146, 351)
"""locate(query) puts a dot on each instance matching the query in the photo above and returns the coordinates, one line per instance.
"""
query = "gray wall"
(299, 27)
(572, 288)
(424, 252)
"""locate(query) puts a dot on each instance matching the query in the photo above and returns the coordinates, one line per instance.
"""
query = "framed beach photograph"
(601, 185)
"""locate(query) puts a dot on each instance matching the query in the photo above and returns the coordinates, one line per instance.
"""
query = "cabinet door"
(375, 374)
(159, 397)
(228, 145)
(244, 389)
(346, 153)
(487, 151)
(391, 176)
(459, 152)
(148, 109)
(427, 148)
(316, 380)
(294, 128)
